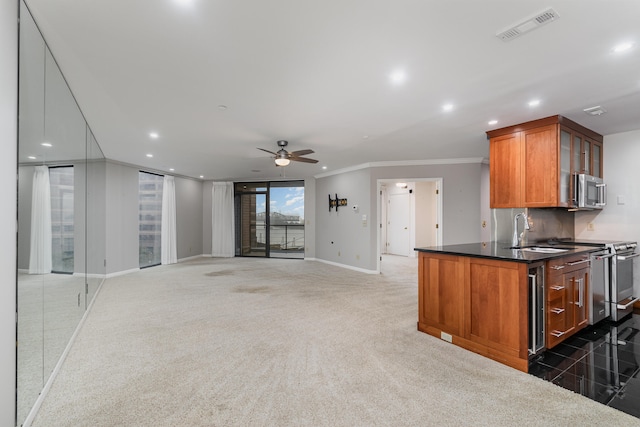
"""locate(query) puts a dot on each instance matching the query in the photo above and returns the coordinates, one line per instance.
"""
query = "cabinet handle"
(558, 267)
(578, 262)
(557, 310)
(625, 306)
(557, 287)
(558, 334)
(580, 301)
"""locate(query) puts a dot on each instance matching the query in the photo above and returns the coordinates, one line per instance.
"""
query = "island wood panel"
(446, 305)
(505, 171)
(498, 302)
(441, 292)
(541, 159)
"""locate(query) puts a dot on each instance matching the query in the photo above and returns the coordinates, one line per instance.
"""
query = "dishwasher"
(598, 294)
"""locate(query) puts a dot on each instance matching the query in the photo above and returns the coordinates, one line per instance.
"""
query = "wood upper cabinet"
(532, 164)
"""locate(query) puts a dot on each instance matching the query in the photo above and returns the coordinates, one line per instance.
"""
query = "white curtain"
(168, 245)
(40, 255)
(222, 242)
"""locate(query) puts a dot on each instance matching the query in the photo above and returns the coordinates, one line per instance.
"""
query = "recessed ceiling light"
(153, 135)
(32, 157)
(324, 167)
(149, 155)
(447, 107)
(46, 144)
(201, 176)
(493, 122)
(622, 47)
(171, 169)
(534, 103)
(222, 107)
(398, 77)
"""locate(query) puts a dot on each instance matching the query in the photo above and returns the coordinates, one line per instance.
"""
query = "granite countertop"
(502, 251)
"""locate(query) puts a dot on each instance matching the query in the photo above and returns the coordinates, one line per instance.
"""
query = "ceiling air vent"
(527, 25)
(595, 111)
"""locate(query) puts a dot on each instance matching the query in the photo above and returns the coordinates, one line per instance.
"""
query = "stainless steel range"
(621, 282)
(611, 284)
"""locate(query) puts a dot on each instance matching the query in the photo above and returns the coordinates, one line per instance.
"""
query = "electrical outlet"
(590, 227)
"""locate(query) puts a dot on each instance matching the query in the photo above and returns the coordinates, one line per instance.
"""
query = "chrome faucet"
(516, 240)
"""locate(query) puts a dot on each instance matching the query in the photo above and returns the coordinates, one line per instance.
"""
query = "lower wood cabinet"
(476, 303)
(482, 304)
(566, 298)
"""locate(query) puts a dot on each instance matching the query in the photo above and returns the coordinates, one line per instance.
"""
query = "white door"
(399, 223)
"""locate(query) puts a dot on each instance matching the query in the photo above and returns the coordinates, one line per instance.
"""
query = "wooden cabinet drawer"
(556, 291)
(567, 264)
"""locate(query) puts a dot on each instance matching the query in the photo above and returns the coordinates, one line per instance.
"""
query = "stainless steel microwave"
(590, 192)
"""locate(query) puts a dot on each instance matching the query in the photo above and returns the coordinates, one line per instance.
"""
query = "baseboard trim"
(348, 267)
(189, 258)
(121, 273)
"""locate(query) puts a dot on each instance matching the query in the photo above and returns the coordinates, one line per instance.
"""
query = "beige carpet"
(255, 342)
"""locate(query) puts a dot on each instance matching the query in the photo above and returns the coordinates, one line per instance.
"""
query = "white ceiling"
(316, 73)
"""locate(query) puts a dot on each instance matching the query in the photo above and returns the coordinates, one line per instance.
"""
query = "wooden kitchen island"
(476, 296)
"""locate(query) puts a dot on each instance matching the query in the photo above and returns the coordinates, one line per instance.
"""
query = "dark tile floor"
(601, 362)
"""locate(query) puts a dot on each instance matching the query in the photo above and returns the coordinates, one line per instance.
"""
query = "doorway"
(410, 212)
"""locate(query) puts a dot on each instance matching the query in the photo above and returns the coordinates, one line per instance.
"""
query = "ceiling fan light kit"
(283, 157)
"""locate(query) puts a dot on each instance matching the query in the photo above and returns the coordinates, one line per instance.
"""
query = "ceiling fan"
(283, 157)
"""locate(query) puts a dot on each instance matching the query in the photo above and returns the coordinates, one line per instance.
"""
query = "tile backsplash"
(548, 223)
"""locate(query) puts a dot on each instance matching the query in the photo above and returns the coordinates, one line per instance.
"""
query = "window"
(62, 218)
(150, 218)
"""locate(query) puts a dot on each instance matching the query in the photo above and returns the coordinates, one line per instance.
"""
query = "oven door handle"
(625, 257)
(625, 306)
(604, 256)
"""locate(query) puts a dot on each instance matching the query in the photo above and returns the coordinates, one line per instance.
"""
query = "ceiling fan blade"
(270, 152)
(303, 159)
(301, 153)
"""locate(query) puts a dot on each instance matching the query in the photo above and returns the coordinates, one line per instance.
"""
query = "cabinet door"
(497, 300)
(580, 280)
(566, 183)
(441, 293)
(596, 157)
(541, 163)
(505, 166)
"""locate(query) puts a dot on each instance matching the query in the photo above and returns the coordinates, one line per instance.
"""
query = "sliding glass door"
(270, 219)
(286, 219)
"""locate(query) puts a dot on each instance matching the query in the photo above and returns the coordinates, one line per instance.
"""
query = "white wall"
(341, 237)
(310, 218)
(122, 218)
(357, 245)
(188, 217)
(8, 171)
(620, 219)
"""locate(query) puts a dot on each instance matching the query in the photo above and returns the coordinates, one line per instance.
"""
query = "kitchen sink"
(543, 250)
